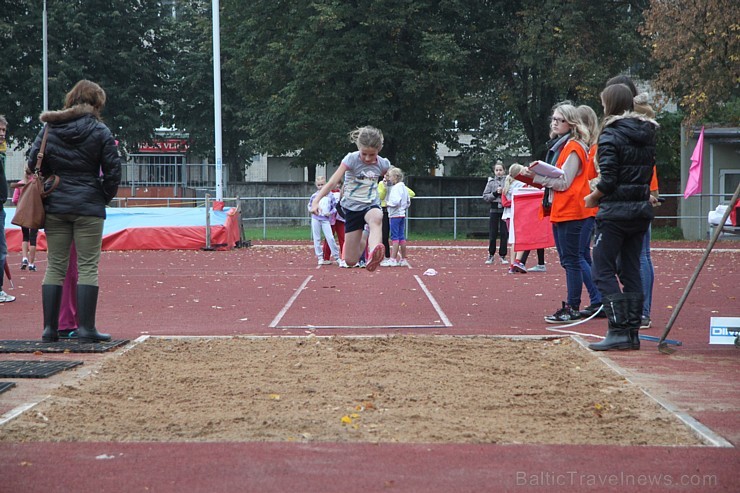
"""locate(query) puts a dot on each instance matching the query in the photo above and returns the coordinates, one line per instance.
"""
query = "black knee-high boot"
(616, 308)
(51, 301)
(87, 304)
(634, 317)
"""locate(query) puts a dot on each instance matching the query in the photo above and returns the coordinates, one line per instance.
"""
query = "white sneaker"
(341, 263)
(386, 262)
(504, 261)
(403, 263)
(5, 297)
(489, 260)
(538, 268)
(392, 262)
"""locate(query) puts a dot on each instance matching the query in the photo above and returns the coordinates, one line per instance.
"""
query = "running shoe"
(518, 268)
(564, 315)
(375, 258)
(5, 297)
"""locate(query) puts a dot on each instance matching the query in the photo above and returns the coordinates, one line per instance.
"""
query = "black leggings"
(29, 235)
(496, 227)
(540, 256)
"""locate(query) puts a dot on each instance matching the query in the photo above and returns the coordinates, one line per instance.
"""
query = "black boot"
(634, 317)
(87, 304)
(618, 333)
(51, 300)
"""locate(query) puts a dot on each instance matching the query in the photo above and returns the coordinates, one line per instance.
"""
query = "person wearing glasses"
(568, 212)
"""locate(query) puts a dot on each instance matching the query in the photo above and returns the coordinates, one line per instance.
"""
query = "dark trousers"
(496, 227)
(612, 239)
(540, 256)
(386, 233)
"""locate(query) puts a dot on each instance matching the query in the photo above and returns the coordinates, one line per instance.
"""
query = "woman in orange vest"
(568, 213)
(591, 121)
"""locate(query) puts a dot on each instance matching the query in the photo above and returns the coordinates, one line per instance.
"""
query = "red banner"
(530, 231)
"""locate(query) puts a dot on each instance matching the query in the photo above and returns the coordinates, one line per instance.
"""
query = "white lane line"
(434, 303)
(317, 327)
(280, 315)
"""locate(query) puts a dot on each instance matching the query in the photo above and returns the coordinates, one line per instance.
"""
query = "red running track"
(256, 291)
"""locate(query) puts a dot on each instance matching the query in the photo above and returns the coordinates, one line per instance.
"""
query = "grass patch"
(303, 233)
(666, 233)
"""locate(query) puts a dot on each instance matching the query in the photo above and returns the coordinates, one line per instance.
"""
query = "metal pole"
(208, 222)
(217, 98)
(46, 61)
(454, 221)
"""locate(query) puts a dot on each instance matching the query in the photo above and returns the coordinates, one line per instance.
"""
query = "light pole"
(217, 98)
(45, 62)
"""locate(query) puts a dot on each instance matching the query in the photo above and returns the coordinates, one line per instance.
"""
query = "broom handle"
(717, 232)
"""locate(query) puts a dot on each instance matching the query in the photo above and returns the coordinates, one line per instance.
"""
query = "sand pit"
(411, 389)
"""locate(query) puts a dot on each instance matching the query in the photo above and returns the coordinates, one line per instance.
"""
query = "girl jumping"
(361, 171)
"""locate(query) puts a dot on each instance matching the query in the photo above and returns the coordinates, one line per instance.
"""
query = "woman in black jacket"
(626, 155)
(80, 149)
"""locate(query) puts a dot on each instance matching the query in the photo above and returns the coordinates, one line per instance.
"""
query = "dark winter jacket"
(491, 195)
(3, 183)
(626, 157)
(79, 147)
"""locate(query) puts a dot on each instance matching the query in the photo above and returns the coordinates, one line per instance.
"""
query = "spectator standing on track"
(321, 222)
(496, 224)
(29, 236)
(337, 227)
(361, 171)
(568, 212)
(398, 201)
(79, 145)
(591, 121)
(626, 158)
(647, 271)
(383, 187)
(4, 297)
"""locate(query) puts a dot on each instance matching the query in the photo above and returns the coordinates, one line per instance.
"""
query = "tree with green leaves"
(125, 46)
(309, 72)
(190, 104)
(531, 54)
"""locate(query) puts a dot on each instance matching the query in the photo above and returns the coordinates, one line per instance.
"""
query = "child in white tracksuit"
(321, 223)
(398, 201)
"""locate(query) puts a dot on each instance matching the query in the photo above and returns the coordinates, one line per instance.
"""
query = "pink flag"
(693, 184)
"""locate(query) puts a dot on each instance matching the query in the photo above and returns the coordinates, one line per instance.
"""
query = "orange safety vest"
(568, 205)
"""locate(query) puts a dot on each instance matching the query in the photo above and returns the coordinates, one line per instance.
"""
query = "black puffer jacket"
(78, 147)
(626, 157)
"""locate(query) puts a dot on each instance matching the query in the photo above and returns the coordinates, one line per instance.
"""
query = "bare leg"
(353, 247)
(394, 250)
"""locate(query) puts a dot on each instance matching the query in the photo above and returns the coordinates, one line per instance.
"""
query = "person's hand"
(315, 208)
(591, 201)
(654, 201)
(527, 172)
